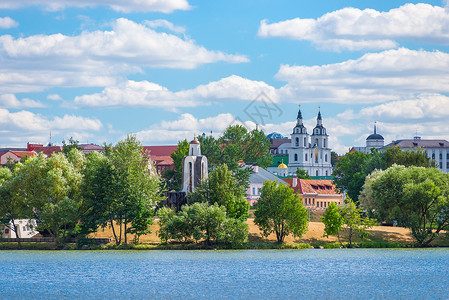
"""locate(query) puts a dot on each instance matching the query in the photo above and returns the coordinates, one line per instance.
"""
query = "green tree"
(302, 174)
(222, 188)
(72, 144)
(334, 158)
(11, 208)
(411, 157)
(333, 221)
(416, 197)
(173, 178)
(121, 191)
(279, 210)
(51, 187)
(346, 218)
(349, 175)
(202, 221)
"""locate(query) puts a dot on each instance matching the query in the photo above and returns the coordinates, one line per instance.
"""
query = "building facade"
(310, 152)
(194, 167)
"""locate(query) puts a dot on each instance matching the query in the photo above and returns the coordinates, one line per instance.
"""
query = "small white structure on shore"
(24, 228)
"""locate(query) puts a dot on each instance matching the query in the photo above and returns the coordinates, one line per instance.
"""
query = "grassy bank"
(381, 237)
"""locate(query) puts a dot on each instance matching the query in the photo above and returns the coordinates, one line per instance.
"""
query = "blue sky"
(168, 69)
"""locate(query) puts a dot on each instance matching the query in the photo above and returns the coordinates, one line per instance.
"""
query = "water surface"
(249, 274)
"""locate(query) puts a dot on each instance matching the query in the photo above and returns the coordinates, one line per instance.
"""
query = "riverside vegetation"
(75, 195)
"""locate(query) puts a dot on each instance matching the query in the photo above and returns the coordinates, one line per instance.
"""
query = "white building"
(437, 150)
(194, 167)
(374, 140)
(310, 152)
(24, 228)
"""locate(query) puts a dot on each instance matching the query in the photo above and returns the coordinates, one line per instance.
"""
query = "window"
(306, 157)
(258, 191)
(326, 173)
(325, 158)
(305, 142)
(447, 155)
(441, 165)
(316, 172)
(254, 190)
(324, 143)
(297, 142)
(296, 157)
(313, 201)
(441, 156)
(447, 165)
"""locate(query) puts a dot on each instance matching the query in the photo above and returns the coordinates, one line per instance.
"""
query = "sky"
(166, 70)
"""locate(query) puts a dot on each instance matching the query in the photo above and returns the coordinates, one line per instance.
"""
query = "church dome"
(195, 141)
(282, 165)
(375, 136)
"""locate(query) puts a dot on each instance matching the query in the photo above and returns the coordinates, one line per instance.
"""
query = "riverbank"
(381, 237)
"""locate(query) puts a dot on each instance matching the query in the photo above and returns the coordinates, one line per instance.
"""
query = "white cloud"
(165, 6)
(147, 94)
(18, 127)
(97, 58)
(11, 101)
(373, 78)
(54, 97)
(7, 22)
(424, 108)
(355, 29)
(160, 23)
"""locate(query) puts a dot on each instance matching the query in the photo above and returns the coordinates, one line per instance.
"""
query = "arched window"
(305, 156)
(325, 158)
(296, 157)
(316, 172)
(324, 146)
(297, 142)
(305, 142)
(326, 173)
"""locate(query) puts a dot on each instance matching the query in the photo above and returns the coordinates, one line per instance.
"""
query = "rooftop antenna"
(50, 139)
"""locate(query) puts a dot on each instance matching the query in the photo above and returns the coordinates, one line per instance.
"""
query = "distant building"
(15, 156)
(160, 157)
(256, 180)
(48, 151)
(437, 150)
(373, 141)
(315, 194)
(87, 148)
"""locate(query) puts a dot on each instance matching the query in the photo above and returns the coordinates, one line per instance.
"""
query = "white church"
(308, 152)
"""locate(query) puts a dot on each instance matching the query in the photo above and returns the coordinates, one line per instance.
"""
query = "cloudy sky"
(165, 70)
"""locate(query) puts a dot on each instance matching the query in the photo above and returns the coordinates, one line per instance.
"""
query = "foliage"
(349, 175)
(51, 190)
(68, 147)
(223, 189)
(173, 178)
(279, 210)
(346, 218)
(120, 190)
(334, 158)
(241, 145)
(202, 221)
(352, 169)
(302, 174)
(411, 157)
(414, 196)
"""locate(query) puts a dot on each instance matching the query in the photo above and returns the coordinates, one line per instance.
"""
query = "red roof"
(161, 160)
(49, 150)
(23, 153)
(160, 150)
(313, 186)
(92, 147)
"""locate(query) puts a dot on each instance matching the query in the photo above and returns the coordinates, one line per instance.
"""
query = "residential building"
(24, 228)
(160, 157)
(15, 156)
(316, 194)
(256, 180)
(90, 147)
(48, 151)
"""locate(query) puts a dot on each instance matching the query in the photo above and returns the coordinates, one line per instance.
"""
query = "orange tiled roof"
(23, 153)
(161, 159)
(313, 186)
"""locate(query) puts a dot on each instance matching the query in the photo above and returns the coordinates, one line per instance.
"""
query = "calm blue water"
(251, 274)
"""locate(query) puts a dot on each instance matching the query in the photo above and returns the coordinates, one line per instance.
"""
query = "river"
(249, 274)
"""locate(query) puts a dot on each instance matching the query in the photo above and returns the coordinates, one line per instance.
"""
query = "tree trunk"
(126, 238)
(113, 232)
(17, 235)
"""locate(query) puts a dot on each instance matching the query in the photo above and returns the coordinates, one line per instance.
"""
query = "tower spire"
(375, 122)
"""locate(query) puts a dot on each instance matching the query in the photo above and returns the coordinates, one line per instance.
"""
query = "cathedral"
(310, 152)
